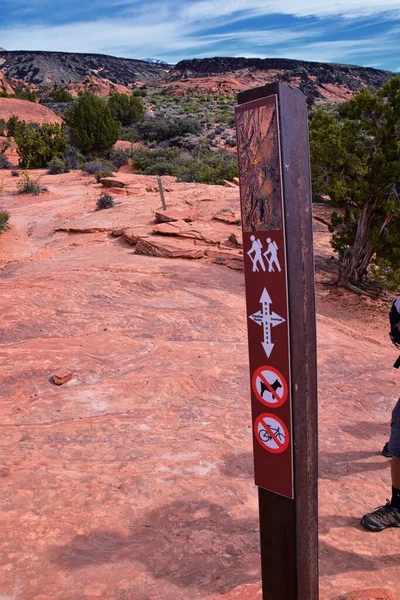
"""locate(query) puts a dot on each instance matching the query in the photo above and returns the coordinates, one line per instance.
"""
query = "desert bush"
(126, 109)
(30, 185)
(12, 125)
(38, 144)
(58, 94)
(4, 217)
(56, 166)
(4, 162)
(231, 143)
(105, 201)
(15, 173)
(91, 124)
(3, 127)
(102, 174)
(128, 135)
(72, 158)
(158, 130)
(118, 157)
(95, 167)
(208, 167)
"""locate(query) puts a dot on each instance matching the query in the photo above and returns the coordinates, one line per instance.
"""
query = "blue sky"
(364, 32)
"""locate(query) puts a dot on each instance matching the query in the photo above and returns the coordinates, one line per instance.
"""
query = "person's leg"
(389, 515)
(396, 482)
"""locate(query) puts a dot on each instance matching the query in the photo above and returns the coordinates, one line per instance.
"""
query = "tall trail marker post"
(275, 191)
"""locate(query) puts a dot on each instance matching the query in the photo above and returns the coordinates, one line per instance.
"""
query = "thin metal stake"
(160, 187)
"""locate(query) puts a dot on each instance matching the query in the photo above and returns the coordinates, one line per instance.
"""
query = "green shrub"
(94, 167)
(91, 124)
(4, 162)
(126, 109)
(56, 166)
(72, 158)
(28, 185)
(12, 125)
(119, 157)
(38, 144)
(102, 174)
(128, 135)
(105, 201)
(158, 130)
(60, 95)
(4, 217)
(209, 166)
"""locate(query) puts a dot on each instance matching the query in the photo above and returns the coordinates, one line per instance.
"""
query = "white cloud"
(174, 29)
(212, 9)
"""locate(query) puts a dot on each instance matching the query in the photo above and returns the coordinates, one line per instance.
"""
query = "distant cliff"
(46, 68)
(309, 76)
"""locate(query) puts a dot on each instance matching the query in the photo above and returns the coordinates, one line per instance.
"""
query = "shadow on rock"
(363, 430)
(192, 544)
(326, 523)
(334, 561)
(335, 465)
(238, 465)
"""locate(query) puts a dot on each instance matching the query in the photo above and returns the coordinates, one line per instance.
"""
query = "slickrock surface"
(134, 480)
(27, 111)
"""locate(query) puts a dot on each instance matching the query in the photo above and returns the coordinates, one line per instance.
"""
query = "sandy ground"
(134, 481)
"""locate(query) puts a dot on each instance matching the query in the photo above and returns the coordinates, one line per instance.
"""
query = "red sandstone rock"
(236, 240)
(137, 483)
(228, 216)
(170, 217)
(110, 183)
(27, 111)
(196, 231)
(4, 471)
(150, 248)
(229, 184)
(62, 376)
(130, 236)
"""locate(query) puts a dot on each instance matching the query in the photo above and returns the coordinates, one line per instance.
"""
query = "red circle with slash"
(271, 433)
(262, 383)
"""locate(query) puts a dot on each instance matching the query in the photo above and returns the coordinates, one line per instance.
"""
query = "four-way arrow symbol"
(267, 319)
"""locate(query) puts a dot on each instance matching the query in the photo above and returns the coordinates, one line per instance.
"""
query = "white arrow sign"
(267, 319)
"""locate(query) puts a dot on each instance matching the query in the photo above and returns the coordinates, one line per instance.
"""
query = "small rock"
(171, 217)
(62, 376)
(116, 233)
(235, 240)
(369, 594)
(228, 216)
(110, 183)
(236, 180)
(130, 236)
(229, 184)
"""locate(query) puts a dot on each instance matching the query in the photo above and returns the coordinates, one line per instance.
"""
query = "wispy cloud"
(339, 31)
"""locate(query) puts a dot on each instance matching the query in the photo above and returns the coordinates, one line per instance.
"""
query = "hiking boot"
(385, 451)
(382, 517)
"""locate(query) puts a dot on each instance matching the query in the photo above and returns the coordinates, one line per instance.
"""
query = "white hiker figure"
(257, 258)
(271, 254)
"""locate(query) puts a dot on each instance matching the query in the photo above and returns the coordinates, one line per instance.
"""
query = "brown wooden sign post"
(275, 192)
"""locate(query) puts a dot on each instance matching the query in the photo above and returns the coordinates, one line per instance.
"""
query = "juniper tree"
(126, 109)
(91, 124)
(355, 156)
